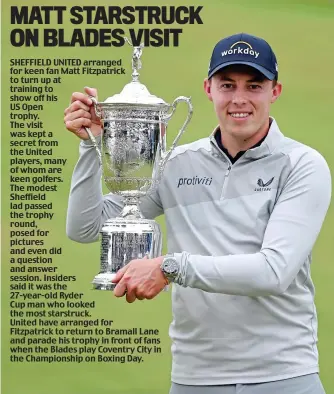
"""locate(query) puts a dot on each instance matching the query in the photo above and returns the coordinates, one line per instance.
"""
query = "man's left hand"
(140, 279)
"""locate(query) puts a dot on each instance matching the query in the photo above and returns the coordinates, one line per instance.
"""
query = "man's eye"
(227, 85)
(254, 87)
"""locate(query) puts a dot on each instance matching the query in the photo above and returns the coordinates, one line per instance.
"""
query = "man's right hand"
(81, 114)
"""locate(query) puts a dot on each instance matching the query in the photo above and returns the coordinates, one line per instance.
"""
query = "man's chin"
(241, 131)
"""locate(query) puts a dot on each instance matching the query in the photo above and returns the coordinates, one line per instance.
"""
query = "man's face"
(242, 97)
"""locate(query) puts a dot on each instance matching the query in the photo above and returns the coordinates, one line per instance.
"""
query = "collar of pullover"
(263, 148)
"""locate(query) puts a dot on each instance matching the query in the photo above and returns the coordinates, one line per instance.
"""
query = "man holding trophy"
(243, 209)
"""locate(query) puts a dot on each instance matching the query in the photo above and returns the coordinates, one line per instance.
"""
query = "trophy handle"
(90, 134)
(179, 99)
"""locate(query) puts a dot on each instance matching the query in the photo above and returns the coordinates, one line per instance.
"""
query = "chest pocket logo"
(264, 186)
(194, 181)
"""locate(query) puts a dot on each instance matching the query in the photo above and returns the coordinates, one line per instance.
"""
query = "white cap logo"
(241, 51)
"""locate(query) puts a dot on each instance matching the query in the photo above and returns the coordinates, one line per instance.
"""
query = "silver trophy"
(133, 156)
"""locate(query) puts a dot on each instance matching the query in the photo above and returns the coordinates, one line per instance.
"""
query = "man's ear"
(207, 88)
(277, 90)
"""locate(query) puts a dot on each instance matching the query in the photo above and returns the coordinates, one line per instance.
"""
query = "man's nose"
(239, 97)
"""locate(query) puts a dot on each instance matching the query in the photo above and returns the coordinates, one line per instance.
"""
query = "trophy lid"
(135, 92)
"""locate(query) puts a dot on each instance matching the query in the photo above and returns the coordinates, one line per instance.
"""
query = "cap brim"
(262, 70)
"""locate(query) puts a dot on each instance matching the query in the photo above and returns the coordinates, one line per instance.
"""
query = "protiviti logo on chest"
(194, 181)
(241, 48)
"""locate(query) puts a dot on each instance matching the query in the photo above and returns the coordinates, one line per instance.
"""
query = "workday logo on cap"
(244, 49)
(241, 48)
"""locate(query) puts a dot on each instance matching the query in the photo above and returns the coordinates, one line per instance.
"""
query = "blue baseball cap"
(244, 49)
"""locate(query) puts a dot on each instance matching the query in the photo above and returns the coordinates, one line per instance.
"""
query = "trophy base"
(123, 240)
(103, 281)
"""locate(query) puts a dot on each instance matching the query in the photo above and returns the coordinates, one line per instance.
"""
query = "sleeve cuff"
(182, 260)
(90, 143)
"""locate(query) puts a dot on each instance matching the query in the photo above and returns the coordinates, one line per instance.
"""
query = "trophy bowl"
(132, 155)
